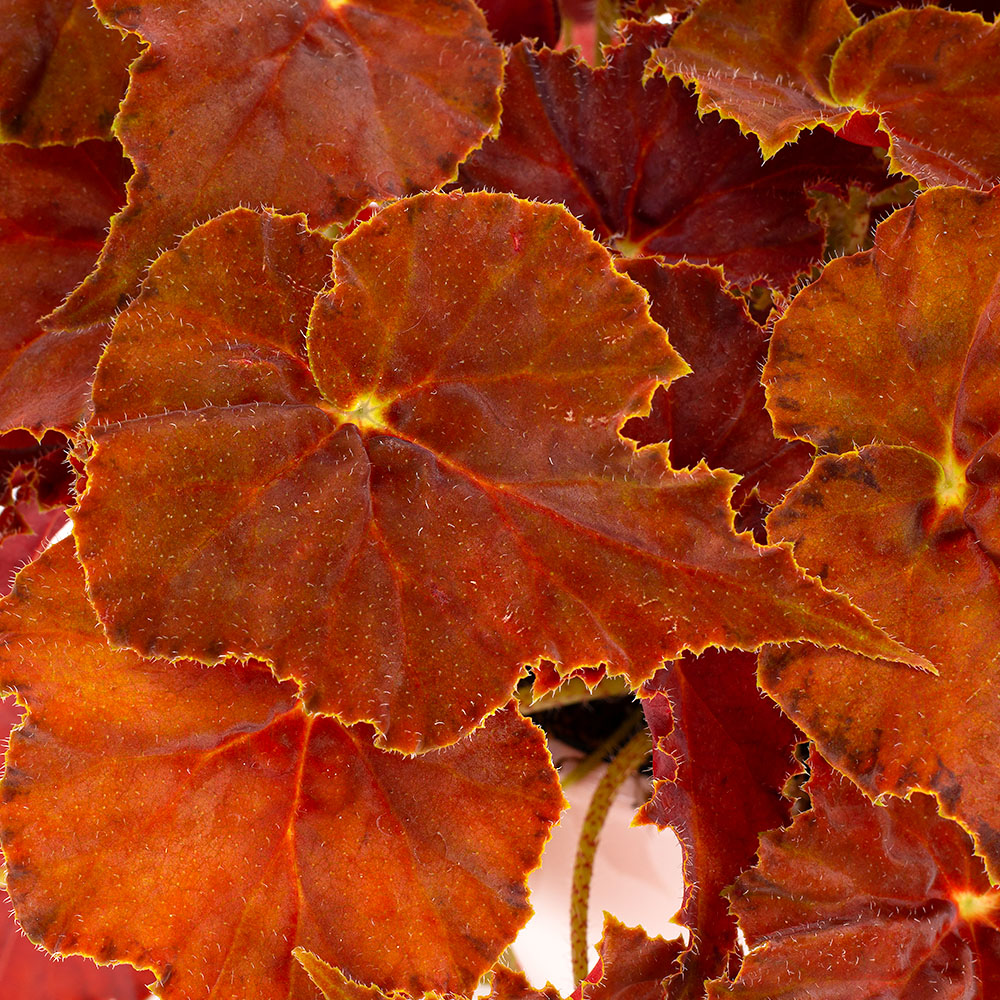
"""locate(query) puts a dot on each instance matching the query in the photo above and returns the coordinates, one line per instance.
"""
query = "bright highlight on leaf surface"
(899, 346)
(305, 106)
(716, 413)
(721, 757)
(858, 900)
(636, 164)
(54, 209)
(934, 76)
(197, 821)
(436, 496)
(62, 73)
(766, 65)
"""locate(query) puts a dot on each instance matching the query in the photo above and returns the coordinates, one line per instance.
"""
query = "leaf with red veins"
(934, 77)
(62, 72)
(765, 65)
(721, 756)
(207, 825)
(899, 346)
(432, 499)
(896, 345)
(716, 414)
(856, 900)
(638, 166)
(27, 971)
(54, 209)
(307, 105)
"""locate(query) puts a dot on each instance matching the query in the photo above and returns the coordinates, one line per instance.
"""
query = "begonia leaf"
(856, 900)
(435, 496)
(311, 106)
(934, 77)
(631, 966)
(209, 825)
(766, 65)
(512, 20)
(28, 972)
(62, 72)
(35, 530)
(715, 414)
(639, 167)
(35, 487)
(36, 469)
(334, 985)
(506, 984)
(721, 756)
(54, 209)
(899, 346)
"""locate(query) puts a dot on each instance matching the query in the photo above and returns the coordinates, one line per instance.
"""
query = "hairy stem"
(628, 759)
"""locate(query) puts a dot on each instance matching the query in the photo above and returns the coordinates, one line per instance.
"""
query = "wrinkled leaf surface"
(309, 106)
(207, 825)
(431, 494)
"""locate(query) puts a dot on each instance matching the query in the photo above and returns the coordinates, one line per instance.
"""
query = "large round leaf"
(198, 822)
(433, 497)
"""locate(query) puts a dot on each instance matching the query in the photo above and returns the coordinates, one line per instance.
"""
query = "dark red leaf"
(636, 164)
(721, 756)
(512, 20)
(716, 414)
(55, 204)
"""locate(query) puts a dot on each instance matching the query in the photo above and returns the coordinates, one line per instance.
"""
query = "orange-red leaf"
(716, 413)
(62, 73)
(648, 176)
(309, 106)
(934, 77)
(632, 966)
(856, 900)
(766, 65)
(54, 209)
(721, 757)
(432, 499)
(28, 972)
(334, 985)
(197, 821)
(900, 346)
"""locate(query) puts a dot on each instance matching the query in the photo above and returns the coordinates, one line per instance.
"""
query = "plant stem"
(628, 759)
(596, 757)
